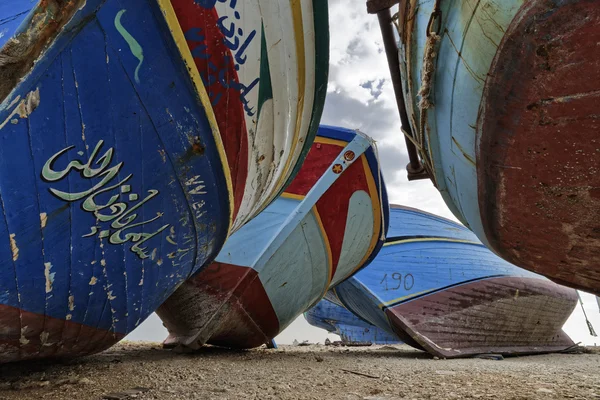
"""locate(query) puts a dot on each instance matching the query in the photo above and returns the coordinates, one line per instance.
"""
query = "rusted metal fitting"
(436, 16)
(415, 174)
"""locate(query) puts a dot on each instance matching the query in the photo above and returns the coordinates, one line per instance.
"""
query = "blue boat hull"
(107, 202)
(439, 289)
(502, 99)
(353, 330)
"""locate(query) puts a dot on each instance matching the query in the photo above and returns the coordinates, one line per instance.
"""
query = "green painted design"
(265, 90)
(321, 23)
(134, 46)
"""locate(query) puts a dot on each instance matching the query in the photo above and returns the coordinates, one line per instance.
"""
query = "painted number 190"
(396, 279)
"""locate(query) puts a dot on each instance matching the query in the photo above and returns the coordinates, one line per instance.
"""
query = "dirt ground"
(293, 372)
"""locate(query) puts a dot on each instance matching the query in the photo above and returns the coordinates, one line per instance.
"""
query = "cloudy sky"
(360, 96)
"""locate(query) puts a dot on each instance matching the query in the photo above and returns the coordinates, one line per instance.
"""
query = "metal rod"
(415, 168)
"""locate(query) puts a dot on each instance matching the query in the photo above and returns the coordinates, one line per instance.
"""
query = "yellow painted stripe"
(387, 303)
(431, 239)
(327, 246)
(324, 140)
(376, 206)
(287, 195)
(186, 55)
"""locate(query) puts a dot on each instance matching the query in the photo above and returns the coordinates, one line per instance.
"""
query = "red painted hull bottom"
(40, 336)
(539, 150)
(500, 315)
(224, 305)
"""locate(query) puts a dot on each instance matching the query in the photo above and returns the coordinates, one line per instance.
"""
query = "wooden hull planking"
(509, 125)
(326, 225)
(439, 289)
(117, 177)
(264, 65)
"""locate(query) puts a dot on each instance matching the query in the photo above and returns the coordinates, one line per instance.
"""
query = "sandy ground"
(313, 372)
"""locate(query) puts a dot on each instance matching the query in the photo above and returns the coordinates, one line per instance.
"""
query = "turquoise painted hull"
(506, 118)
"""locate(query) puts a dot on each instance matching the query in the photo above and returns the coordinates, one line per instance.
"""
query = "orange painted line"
(327, 246)
(376, 205)
(287, 195)
(323, 140)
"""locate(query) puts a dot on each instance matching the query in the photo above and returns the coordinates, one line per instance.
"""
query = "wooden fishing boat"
(500, 102)
(326, 225)
(353, 330)
(134, 138)
(439, 289)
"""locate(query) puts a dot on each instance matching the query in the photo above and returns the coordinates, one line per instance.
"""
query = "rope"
(587, 321)
(422, 140)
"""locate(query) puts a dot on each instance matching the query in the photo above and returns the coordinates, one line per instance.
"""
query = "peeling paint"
(49, 276)
(24, 108)
(71, 303)
(23, 340)
(43, 220)
(13, 247)
(44, 338)
(93, 281)
(110, 296)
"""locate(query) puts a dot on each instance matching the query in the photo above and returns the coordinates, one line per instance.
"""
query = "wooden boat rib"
(326, 225)
(352, 330)
(439, 289)
(119, 174)
(505, 120)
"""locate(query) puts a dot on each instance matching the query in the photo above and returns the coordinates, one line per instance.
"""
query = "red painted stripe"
(333, 205)
(248, 318)
(201, 24)
(23, 336)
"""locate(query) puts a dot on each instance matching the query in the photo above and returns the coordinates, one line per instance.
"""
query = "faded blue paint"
(336, 319)
(284, 243)
(297, 273)
(471, 31)
(87, 95)
(242, 248)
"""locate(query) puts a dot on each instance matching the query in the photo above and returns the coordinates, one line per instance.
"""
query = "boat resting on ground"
(439, 289)
(326, 225)
(353, 330)
(135, 137)
(501, 101)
